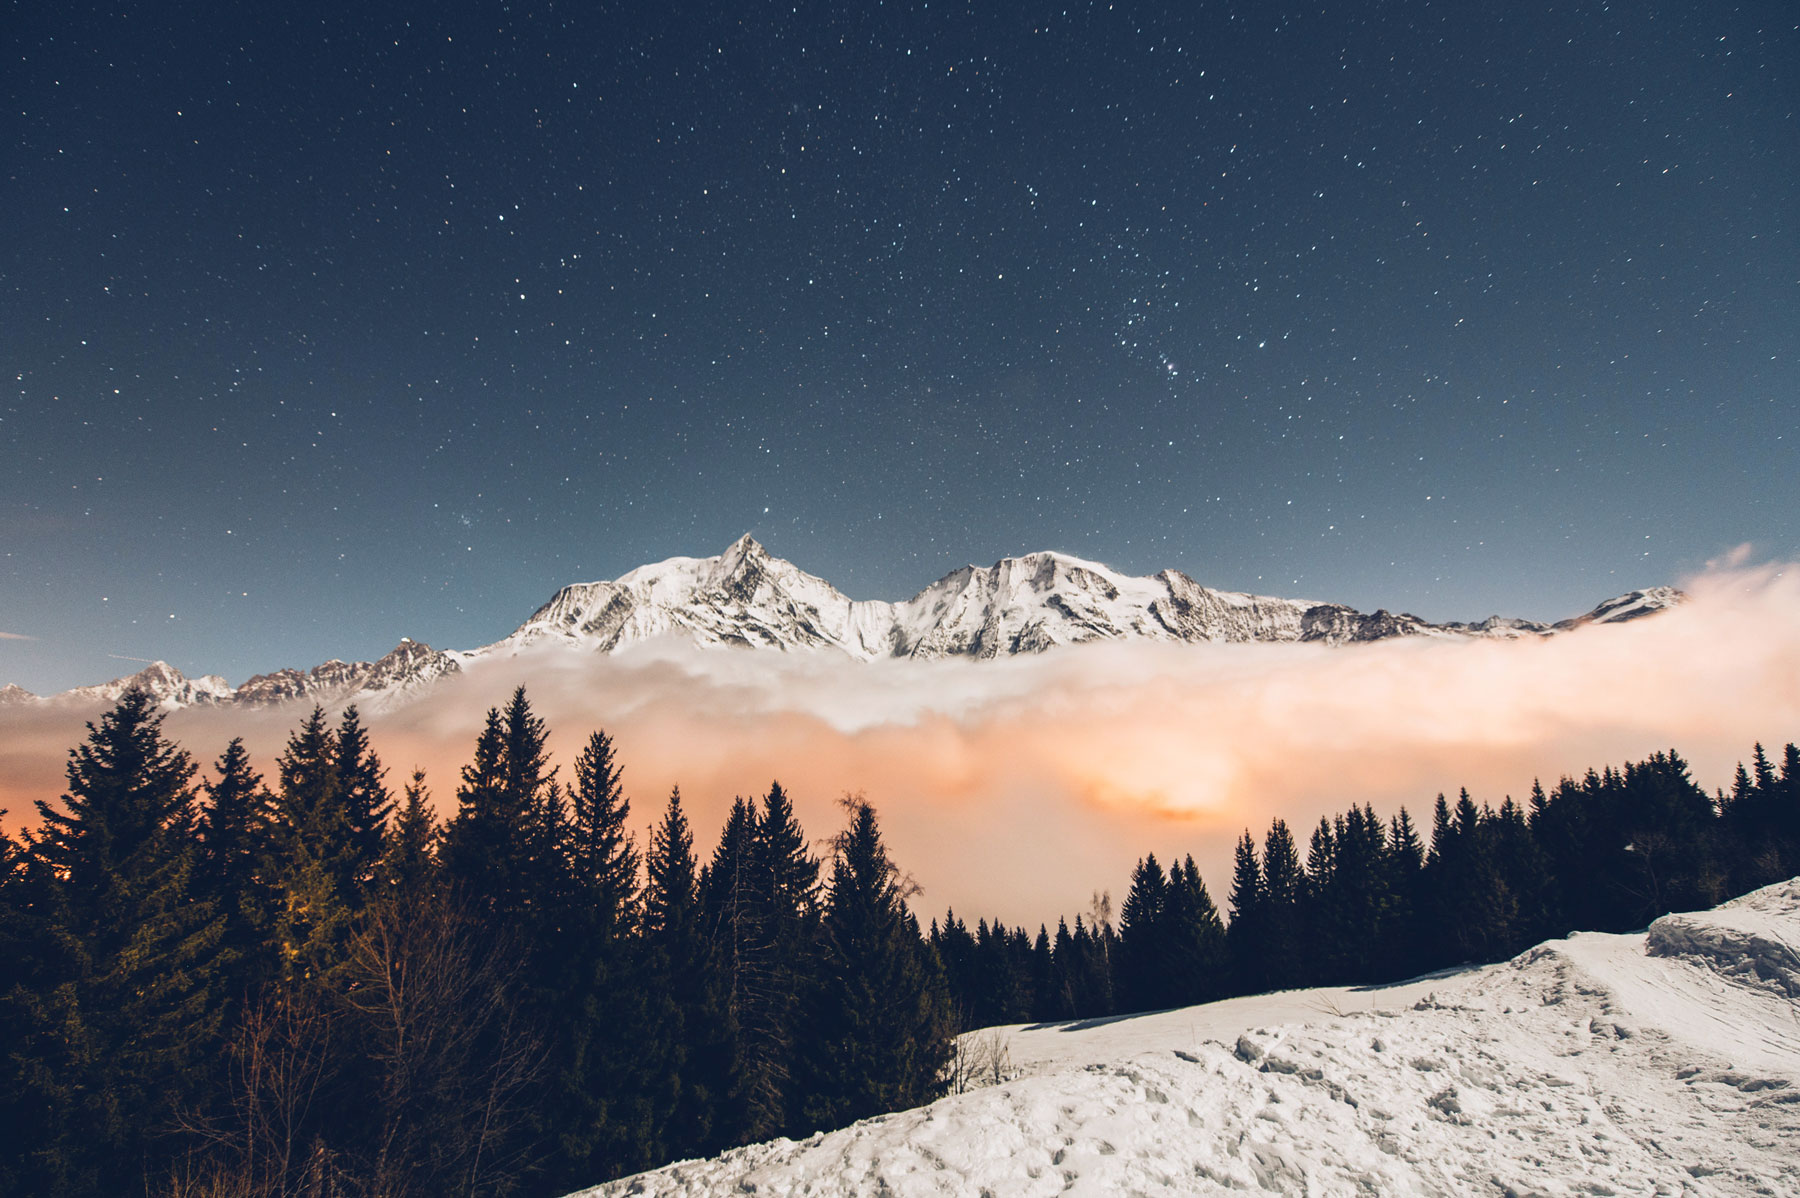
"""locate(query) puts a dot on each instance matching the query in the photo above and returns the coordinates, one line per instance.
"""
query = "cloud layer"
(1017, 788)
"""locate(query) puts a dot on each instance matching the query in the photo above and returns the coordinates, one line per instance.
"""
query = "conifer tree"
(1001, 983)
(1402, 939)
(729, 894)
(1283, 944)
(1323, 934)
(785, 880)
(1244, 935)
(1043, 976)
(956, 953)
(1063, 973)
(733, 920)
(409, 868)
(127, 1014)
(687, 1046)
(880, 1032)
(1143, 944)
(313, 869)
(234, 834)
(1525, 874)
(611, 1111)
(1194, 939)
(498, 845)
(602, 856)
(367, 801)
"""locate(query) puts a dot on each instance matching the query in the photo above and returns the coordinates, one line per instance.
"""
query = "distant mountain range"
(744, 598)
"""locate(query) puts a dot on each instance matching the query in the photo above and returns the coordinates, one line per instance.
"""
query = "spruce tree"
(409, 867)
(1283, 935)
(687, 1043)
(1143, 945)
(1244, 935)
(602, 856)
(234, 835)
(126, 1017)
(1403, 941)
(1043, 977)
(733, 916)
(498, 847)
(1194, 940)
(956, 953)
(314, 868)
(880, 1029)
(785, 880)
(367, 801)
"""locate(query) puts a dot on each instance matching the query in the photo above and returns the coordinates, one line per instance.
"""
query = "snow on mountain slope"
(746, 598)
(166, 684)
(1665, 1062)
(743, 597)
(406, 671)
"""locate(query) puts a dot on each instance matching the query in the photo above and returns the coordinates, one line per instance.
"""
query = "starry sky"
(324, 325)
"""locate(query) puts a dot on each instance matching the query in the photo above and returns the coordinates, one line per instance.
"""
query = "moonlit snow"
(1665, 1062)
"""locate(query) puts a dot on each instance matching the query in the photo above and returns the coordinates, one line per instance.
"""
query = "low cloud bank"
(1016, 788)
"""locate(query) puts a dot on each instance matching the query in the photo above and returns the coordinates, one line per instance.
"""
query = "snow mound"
(1665, 1062)
(1745, 940)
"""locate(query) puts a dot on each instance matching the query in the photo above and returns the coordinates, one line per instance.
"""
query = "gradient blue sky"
(329, 325)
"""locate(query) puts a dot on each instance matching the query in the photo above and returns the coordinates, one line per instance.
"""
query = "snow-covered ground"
(1665, 1062)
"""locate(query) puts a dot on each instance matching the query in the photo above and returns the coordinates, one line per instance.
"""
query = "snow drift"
(1662, 1062)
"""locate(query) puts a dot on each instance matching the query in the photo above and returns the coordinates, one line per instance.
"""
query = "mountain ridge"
(747, 598)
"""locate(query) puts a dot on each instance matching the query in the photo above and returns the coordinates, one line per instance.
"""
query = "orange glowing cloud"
(1017, 788)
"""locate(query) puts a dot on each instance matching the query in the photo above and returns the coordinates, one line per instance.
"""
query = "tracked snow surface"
(1661, 1062)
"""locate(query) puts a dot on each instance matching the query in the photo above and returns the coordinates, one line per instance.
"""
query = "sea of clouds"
(1016, 788)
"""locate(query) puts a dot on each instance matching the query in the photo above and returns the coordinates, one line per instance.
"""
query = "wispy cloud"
(1015, 788)
(15, 636)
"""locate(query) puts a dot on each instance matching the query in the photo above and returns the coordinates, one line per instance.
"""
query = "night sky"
(325, 325)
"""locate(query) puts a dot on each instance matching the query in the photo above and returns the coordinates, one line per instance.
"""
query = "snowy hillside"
(1665, 1062)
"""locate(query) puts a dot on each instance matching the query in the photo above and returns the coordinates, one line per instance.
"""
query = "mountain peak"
(744, 555)
(746, 598)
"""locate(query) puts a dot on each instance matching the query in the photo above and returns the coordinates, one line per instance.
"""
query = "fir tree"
(1194, 939)
(785, 880)
(313, 869)
(234, 837)
(880, 1033)
(1043, 976)
(602, 856)
(410, 866)
(127, 1013)
(733, 919)
(1244, 935)
(497, 846)
(367, 801)
(1143, 944)
(688, 1048)
(1283, 943)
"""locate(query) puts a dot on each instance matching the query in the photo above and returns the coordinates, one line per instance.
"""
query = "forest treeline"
(220, 984)
(1369, 901)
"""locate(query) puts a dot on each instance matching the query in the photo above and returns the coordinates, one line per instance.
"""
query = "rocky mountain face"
(744, 598)
(373, 685)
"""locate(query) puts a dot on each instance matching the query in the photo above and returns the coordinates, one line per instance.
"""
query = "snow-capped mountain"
(746, 598)
(166, 684)
(1028, 604)
(1658, 1062)
(408, 670)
